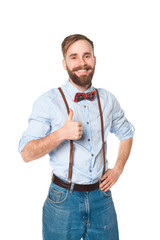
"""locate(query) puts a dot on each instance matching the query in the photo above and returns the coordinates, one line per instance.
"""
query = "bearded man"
(71, 124)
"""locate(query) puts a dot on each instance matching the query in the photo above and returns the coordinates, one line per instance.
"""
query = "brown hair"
(68, 41)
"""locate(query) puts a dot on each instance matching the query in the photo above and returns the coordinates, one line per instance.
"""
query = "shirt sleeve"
(121, 127)
(39, 123)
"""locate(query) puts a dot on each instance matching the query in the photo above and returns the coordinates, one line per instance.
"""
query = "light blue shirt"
(49, 114)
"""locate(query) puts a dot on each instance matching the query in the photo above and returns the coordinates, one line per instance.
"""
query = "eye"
(87, 56)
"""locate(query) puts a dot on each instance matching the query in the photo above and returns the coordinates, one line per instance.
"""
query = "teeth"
(81, 70)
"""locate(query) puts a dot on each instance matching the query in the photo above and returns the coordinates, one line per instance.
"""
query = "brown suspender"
(102, 131)
(71, 141)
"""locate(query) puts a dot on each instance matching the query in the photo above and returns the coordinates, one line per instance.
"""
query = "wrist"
(56, 137)
(118, 169)
(61, 134)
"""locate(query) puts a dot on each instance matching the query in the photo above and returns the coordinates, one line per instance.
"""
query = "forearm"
(123, 154)
(38, 148)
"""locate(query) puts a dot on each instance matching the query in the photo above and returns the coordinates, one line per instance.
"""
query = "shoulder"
(47, 101)
(48, 97)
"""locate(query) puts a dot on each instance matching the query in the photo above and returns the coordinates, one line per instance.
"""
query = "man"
(79, 203)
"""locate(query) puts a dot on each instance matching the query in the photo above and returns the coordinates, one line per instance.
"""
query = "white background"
(126, 35)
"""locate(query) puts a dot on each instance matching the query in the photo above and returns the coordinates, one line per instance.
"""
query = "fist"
(72, 130)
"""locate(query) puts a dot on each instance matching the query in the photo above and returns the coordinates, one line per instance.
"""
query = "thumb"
(70, 116)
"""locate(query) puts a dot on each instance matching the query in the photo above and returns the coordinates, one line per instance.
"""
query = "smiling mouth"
(84, 70)
(81, 71)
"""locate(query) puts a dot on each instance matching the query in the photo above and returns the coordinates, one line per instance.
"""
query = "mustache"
(85, 67)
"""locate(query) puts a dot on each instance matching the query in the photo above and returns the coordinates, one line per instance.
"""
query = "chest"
(86, 112)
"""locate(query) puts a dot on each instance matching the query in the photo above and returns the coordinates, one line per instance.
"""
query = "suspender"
(71, 141)
(102, 131)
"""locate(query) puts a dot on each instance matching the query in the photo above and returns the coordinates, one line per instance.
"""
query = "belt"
(77, 187)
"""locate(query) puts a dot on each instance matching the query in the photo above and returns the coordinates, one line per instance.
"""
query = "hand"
(109, 179)
(72, 130)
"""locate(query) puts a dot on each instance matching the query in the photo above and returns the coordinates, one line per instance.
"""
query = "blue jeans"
(72, 215)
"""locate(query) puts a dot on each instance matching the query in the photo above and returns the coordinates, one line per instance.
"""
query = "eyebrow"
(75, 54)
(87, 53)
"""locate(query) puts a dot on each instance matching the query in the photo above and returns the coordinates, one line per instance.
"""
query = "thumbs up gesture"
(72, 130)
(70, 115)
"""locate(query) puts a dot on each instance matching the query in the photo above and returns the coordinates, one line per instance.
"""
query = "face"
(80, 63)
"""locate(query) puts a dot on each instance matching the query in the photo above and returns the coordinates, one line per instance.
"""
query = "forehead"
(80, 47)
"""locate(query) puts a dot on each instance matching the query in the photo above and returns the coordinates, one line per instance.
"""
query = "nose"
(82, 62)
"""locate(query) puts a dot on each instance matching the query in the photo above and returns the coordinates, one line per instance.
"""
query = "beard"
(82, 80)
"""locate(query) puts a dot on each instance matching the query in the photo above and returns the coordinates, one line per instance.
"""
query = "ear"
(64, 64)
(95, 60)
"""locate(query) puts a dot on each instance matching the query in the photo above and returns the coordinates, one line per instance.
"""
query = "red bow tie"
(81, 96)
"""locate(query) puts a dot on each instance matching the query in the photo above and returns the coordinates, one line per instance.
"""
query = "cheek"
(71, 65)
(91, 63)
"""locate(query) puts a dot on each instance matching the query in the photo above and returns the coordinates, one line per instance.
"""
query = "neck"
(80, 88)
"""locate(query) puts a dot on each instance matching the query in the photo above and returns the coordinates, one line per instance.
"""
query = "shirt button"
(89, 139)
(84, 106)
(87, 122)
(90, 170)
(92, 155)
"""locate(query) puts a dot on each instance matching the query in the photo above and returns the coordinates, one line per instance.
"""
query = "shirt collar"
(73, 90)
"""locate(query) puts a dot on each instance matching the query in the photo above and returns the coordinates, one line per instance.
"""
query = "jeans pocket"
(107, 194)
(57, 194)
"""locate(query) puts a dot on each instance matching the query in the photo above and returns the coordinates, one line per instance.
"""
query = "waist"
(76, 187)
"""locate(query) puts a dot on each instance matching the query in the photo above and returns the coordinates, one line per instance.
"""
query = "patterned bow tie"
(81, 96)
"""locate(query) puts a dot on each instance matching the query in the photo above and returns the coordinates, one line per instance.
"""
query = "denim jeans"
(72, 215)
